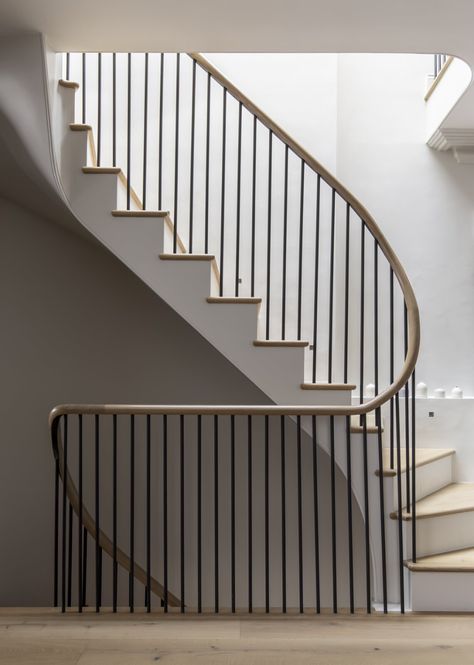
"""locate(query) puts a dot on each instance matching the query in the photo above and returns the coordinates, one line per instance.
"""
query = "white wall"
(422, 199)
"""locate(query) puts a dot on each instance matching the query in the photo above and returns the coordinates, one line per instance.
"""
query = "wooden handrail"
(365, 216)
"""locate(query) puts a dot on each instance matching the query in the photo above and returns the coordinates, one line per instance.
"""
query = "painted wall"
(422, 199)
(77, 326)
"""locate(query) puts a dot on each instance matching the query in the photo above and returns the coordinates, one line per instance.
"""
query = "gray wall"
(77, 326)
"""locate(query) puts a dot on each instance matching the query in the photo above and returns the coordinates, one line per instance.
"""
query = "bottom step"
(443, 582)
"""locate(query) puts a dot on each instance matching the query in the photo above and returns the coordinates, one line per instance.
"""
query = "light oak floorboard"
(35, 636)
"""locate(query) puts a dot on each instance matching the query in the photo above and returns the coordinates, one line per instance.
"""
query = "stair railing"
(233, 508)
(237, 185)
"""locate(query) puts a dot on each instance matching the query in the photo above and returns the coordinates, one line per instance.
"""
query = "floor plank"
(32, 636)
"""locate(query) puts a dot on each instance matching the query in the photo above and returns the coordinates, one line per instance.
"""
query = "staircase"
(308, 324)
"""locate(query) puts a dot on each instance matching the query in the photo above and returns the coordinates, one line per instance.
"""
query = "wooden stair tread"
(357, 428)
(79, 127)
(187, 257)
(101, 169)
(457, 561)
(328, 386)
(233, 301)
(422, 456)
(68, 84)
(449, 500)
(296, 343)
(140, 213)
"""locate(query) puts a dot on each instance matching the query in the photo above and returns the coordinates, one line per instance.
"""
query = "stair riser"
(429, 478)
(442, 592)
(444, 534)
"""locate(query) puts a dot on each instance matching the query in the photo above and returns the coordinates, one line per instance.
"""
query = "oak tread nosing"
(115, 170)
(457, 561)
(140, 213)
(328, 386)
(449, 500)
(231, 301)
(187, 257)
(68, 84)
(424, 456)
(280, 343)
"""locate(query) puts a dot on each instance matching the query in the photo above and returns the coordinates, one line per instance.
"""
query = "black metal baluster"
(148, 513)
(69, 557)
(208, 130)
(129, 126)
(249, 518)
(333, 516)
(114, 514)
(316, 515)
(362, 310)
(160, 134)
(56, 529)
(98, 579)
(165, 511)
(331, 286)
(413, 468)
(283, 513)
(254, 186)
(176, 159)
(191, 167)
(237, 227)
(378, 422)
(267, 519)
(79, 516)
(181, 508)
(392, 372)
(232, 511)
(64, 515)
(99, 107)
(399, 505)
(285, 247)
(199, 512)
(216, 514)
(269, 233)
(145, 137)
(348, 420)
(349, 514)
(114, 109)
(222, 239)
(316, 278)
(300, 253)
(83, 89)
(366, 517)
(68, 65)
(131, 579)
(346, 296)
(300, 514)
(407, 413)
(84, 568)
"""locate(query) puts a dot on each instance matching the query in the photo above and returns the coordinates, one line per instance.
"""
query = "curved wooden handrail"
(365, 216)
(89, 524)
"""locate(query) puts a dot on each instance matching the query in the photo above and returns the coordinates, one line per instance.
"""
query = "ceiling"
(248, 25)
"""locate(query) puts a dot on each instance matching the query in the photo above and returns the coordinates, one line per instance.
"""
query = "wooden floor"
(44, 636)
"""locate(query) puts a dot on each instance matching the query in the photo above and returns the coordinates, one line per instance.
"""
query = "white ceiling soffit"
(410, 26)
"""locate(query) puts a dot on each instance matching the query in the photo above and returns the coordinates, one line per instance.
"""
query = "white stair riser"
(429, 478)
(445, 533)
(442, 592)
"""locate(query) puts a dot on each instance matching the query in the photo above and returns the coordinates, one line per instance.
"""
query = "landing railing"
(221, 509)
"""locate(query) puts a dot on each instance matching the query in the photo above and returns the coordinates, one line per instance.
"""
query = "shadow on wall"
(79, 327)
